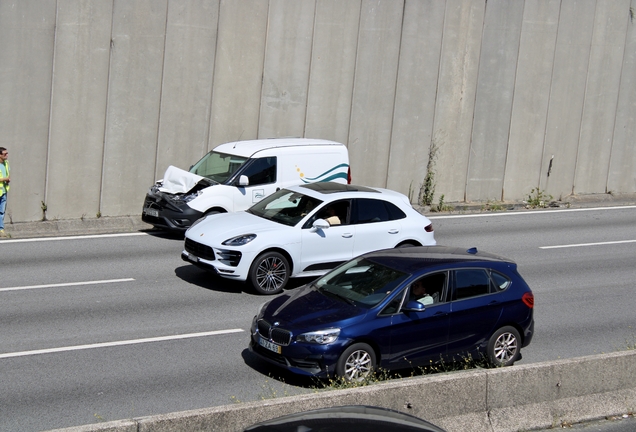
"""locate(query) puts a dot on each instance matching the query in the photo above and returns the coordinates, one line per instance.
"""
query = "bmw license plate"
(269, 345)
(151, 212)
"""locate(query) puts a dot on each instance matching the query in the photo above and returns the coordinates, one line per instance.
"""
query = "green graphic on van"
(337, 172)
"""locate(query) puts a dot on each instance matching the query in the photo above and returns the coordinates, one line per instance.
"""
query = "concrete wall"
(517, 398)
(98, 97)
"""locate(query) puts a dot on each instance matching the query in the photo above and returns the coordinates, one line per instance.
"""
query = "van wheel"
(269, 273)
(356, 363)
(504, 347)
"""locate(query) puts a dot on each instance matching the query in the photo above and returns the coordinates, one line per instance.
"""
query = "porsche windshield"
(285, 207)
(219, 167)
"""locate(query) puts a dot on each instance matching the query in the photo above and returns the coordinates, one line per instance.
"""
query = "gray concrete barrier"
(518, 398)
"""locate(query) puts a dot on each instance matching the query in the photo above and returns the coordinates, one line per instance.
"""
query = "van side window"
(261, 171)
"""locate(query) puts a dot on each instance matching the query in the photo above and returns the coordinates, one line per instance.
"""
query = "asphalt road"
(112, 327)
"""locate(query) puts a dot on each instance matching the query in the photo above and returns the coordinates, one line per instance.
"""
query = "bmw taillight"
(429, 228)
(528, 299)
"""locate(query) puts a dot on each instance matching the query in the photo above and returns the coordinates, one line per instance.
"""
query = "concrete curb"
(70, 227)
(518, 398)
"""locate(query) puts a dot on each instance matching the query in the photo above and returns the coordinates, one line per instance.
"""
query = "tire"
(405, 245)
(269, 273)
(504, 347)
(356, 363)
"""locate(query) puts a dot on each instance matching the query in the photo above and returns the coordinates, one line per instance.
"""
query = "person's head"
(4, 154)
(418, 289)
(330, 211)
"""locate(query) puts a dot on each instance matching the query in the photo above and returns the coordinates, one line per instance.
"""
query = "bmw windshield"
(285, 207)
(361, 282)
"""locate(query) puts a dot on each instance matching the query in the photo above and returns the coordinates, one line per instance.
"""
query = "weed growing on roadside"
(427, 189)
(442, 206)
(538, 198)
(492, 206)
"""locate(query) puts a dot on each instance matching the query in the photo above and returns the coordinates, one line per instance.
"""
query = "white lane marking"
(91, 236)
(119, 343)
(587, 244)
(28, 287)
(521, 213)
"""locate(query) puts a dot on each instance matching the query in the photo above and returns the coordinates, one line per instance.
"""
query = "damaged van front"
(234, 176)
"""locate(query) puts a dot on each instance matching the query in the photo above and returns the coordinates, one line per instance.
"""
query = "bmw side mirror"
(320, 224)
(413, 306)
(243, 181)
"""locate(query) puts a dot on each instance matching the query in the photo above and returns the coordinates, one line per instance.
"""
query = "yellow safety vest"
(4, 188)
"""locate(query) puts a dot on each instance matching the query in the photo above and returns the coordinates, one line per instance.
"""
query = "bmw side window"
(501, 282)
(261, 171)
(370, 211)
(395, 306)
(470, 283)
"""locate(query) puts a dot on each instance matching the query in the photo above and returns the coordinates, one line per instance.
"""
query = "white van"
(234, 176)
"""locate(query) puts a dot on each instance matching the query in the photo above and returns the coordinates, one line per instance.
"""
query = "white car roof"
(331, 191)
(249, 147)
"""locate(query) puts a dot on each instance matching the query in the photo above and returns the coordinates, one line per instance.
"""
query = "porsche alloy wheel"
(269, 273)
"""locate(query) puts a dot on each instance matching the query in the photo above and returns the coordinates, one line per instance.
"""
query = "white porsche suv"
(304, 231)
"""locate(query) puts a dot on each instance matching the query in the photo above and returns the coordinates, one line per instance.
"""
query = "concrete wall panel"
(286, 71)
(531, 98)
(27, 33)
(415, 95)
(78, 108)
(569, 77)
(238, 73)
(601, 95)
(333, 58)
(455, 103)
(493, 103)
(186, 89)
(374, 90)
(134, 94)
(622, 172)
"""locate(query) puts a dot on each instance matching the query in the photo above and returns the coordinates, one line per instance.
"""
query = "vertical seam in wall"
(620, 81)
(210, 107)
(110, 58)
(48, 139)
(585, 90)
(353, 78)
(547, 113)
(472, 123)
(433, 120)
(163, 74)
(260, 102)
(311, 57)
(512, 105)
(395, 93)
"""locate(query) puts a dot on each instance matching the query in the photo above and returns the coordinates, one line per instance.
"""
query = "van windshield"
(219, 167)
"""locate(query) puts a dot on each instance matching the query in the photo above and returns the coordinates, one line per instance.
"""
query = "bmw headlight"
(319, 337)
(239, 240)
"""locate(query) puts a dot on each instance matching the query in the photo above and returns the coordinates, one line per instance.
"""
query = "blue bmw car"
(399, 308)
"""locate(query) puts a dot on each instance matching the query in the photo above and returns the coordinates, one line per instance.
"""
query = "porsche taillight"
(428, 228)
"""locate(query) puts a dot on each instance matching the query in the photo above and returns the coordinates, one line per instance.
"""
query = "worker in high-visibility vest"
(5, 179)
